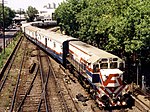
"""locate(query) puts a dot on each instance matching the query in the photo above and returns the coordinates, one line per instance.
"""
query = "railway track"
(41, 90)
(26, 99)
(17, 82)
(139, 102)
(36, 91)
(56, 90)
(11, 60)
(29, 94)
(9, 75)
(18, 78)
(44, 73)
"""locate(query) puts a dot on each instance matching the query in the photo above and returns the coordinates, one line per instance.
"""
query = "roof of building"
(19, 17)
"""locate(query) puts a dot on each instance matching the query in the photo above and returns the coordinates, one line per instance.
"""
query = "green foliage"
(94, 22)
(31, 12)
(119, 26)
(66, 12)
(8, 50)
(9, 15)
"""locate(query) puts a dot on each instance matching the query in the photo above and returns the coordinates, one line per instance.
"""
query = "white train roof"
(29, 27)
(38, 22)
(32, 28)
(94, 53)
(56, 36)
(53, 35)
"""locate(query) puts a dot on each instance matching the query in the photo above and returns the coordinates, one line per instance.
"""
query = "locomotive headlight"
(118, 103)
(119, 97)
(113, 95)
(124, 103)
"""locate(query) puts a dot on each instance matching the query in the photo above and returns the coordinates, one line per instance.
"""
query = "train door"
(96, 71)
(46, 42)
(65, 52)
(36, 35)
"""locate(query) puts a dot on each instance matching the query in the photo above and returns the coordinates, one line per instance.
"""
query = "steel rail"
(18, 80)
(43, 95)
(44, 84)
(139, 100)
(10, 57)
(28, 91)
(77, 108)
(13, 58)
(61, 95)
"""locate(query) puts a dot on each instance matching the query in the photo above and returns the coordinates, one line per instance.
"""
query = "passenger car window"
(54, 44)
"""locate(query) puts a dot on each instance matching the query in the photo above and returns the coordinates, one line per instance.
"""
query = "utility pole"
(20, 16)
(137, 73)
(138, 64)
(3, 26)
(143, 84)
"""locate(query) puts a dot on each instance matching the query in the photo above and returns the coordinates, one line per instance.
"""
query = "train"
(100, 72)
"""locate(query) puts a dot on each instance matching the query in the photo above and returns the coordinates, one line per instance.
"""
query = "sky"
(23, 4)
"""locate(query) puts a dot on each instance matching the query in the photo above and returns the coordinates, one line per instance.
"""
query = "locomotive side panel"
(79, 59)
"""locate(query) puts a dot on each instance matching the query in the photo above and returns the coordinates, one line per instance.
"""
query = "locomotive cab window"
(96, 68)
(104, 65)
(113, 65)
(115, 59)
(104, 59)
(121, 66)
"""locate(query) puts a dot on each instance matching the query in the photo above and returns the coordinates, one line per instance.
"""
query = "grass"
(9, 49)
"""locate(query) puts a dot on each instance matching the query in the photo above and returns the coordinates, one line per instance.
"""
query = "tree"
(118, 26)
(9, 15)
(128, 23)
(31, 12)
(121, 27)
(66, 13)
(93, 22)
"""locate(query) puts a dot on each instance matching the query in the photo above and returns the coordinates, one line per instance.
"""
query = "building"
(18, 18)
(47, 12)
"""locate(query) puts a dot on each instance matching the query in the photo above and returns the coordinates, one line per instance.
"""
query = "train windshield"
(104, 65)
(113, 65)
